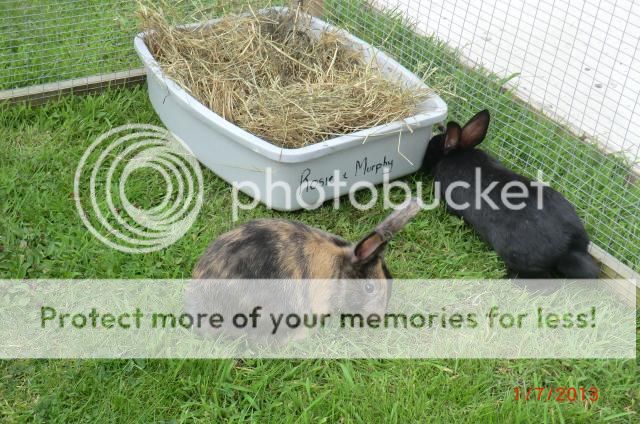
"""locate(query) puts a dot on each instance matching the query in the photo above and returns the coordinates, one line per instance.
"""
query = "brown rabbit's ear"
(452, 137)
(475, 130)
(368, 248)
(373, 244)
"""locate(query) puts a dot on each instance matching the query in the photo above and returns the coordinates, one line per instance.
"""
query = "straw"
(270, 75)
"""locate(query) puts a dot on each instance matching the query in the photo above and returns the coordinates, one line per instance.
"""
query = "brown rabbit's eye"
(369, 288)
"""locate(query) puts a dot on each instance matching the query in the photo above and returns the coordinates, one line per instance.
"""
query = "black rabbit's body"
(531, 242)
(534, 242)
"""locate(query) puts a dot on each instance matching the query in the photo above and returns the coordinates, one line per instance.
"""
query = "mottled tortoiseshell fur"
(276, 248)
(289, 250)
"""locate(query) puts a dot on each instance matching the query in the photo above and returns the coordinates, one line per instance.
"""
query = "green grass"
(45, 41)
(41, 236)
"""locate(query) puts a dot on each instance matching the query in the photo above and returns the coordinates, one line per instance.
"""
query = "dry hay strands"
(301, 114)
(268, 74)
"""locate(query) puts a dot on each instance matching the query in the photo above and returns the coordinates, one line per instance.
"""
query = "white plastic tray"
(240, 157)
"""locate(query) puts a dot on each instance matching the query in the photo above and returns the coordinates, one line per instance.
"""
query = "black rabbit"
(541, 238)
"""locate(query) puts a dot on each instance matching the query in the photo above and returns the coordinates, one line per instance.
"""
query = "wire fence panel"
(517, 60)
(561, 78)
(44, 41)
(576, 61)
(51, 41)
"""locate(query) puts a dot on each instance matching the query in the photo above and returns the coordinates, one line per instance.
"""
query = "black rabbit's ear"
(452, 137)
(475, 130)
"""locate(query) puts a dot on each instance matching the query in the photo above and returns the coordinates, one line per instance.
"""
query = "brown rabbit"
(288, 250)
(277, 248)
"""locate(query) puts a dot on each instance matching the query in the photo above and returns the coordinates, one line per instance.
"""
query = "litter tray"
(261, 169)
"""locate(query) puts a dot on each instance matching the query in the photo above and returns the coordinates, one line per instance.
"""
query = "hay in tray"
(265, 74)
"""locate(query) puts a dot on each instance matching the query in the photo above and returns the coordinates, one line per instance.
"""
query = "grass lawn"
(72, 39)
(41, 236)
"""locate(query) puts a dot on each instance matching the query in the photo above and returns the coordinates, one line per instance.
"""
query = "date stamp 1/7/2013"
(557, 394)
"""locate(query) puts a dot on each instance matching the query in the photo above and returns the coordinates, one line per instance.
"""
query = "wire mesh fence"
(561, 78)
(51, 41)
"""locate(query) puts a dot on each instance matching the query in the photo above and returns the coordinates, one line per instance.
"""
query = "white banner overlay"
(317, 319)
